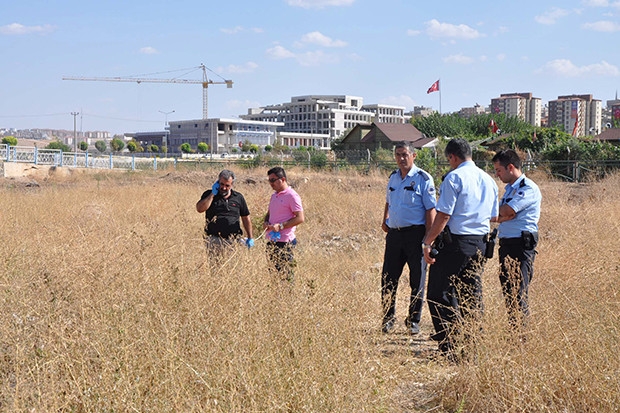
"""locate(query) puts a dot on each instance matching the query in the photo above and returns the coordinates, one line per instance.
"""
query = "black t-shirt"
(223, 214)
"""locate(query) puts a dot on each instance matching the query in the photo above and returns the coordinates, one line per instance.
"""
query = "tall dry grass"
(110, 303)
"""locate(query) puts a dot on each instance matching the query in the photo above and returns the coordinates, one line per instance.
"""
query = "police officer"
(519, 212)
(467, 203)
(409, 211)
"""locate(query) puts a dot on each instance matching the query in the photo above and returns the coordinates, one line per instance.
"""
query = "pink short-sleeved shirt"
(281, 208)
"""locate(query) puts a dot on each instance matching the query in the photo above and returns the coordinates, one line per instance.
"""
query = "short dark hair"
(226, 174)
(277, 171)
(458, 147)
(404, 144)
(507, 157)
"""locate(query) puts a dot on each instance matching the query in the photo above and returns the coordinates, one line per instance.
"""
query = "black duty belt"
(472, 237)
(511, 241)
(409, 228)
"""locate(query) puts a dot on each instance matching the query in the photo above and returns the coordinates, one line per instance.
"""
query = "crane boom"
(205, 82)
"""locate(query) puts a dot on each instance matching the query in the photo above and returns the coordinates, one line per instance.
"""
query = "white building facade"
(222, 135)
(328, 115)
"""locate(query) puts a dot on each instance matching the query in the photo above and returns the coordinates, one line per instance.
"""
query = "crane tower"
(205, 82)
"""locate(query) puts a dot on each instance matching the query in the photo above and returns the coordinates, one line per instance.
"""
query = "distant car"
(225, 154)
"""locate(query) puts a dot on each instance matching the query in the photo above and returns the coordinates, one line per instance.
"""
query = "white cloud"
(248, 67)
(435, 28)
(319, 4)
(316, 58)
(551, 16)
(320, 39)
(596, 3)
(17, 29)
(148, 50)
(566, 68)
(459, 59)
(501, 57)
(278, 52)
(239, 29)
(232, 30)
(602, 26)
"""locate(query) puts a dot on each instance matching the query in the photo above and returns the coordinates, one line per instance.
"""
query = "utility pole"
(166, 127)
(74, 114)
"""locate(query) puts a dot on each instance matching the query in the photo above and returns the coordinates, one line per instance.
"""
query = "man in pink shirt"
(284, 214)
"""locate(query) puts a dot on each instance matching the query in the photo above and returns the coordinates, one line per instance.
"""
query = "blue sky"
(386, 52)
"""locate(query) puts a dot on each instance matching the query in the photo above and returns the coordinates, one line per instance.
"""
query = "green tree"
(268, 148)
(254, 148)
(246, 146)
(9, 140)
(117, 144)
(202, 147)
(132, 146)
(101, 146)
(185, 148)
(154, 148)
(58, 145)
(83, 146)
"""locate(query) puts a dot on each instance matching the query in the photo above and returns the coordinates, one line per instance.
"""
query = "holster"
(529, 242)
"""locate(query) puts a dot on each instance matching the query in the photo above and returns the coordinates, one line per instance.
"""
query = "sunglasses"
(272, 180)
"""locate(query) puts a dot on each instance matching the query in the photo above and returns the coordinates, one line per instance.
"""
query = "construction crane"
(205, 82)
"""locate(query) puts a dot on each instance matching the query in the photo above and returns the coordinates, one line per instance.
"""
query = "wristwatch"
(425, 245)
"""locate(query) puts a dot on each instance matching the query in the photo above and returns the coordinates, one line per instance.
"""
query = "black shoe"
(413, 327)
(388, 326)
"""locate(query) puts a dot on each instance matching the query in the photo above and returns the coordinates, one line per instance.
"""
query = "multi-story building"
(473, 111)
(330, 115)
(422, 111)
(611, 114)
(579, 115)
(520, 105)
(221, 134)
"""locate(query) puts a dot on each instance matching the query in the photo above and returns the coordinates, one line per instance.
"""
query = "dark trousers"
(280, 255)
(403, 247)
(516, 272)
(455, 286)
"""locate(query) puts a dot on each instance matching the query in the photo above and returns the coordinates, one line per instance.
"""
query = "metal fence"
(56, 157)
(569, 170)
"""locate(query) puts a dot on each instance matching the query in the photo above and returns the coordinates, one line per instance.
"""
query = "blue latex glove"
(249, 242)
(216, 188)
(274, 236)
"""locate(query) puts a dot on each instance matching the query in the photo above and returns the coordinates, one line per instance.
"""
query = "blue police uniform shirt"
(469, 195)
(524, 197)
(408, 199)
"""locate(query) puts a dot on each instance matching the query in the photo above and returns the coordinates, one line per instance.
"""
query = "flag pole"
(439, 95)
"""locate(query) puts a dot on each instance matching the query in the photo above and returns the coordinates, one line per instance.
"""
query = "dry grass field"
(109, 303)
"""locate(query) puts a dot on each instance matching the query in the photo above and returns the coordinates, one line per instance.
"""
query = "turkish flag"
(434, 88)
(576, 126)
(493, 126)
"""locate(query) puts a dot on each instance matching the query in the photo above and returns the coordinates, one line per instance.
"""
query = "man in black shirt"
(224, 207)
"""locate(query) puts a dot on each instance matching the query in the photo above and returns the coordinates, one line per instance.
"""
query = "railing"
(56, 157)
(569, 170)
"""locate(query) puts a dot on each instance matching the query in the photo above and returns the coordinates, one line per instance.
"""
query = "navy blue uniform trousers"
(455, 286)
(403, 247)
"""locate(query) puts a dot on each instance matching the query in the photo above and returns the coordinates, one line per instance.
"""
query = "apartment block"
(472, 111)
(579, 115)
(521, 105)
